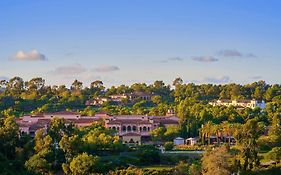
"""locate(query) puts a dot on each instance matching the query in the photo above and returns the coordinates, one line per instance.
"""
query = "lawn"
(157, 167)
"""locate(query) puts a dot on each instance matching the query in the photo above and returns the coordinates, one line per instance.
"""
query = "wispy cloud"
(32, 55)
(250, 55)
(172, 59)
(234, 53)
(106, 69)
(217, 80)
(205, 59)
(69, 70)
(257, 77)
(229, 53)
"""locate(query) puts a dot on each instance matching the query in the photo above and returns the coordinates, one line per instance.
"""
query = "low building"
(191, 141)
(97, 101)
(179, 141)
(239, 103)
(118, 97)
(139, 95)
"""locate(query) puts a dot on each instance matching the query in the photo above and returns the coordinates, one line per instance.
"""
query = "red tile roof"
(131, 134)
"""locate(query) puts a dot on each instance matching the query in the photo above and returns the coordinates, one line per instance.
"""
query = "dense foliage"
(95, 149)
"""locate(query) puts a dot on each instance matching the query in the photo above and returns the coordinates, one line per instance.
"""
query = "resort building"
(131, 129)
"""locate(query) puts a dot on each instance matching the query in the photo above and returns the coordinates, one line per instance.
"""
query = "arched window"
(144, 128)
(148, 129)
(114, 128)
(124, 128)
(134, 128)
(118, 128)
(140, 129)
(129, 128)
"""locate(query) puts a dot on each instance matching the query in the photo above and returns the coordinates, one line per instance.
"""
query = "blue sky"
(128, 41)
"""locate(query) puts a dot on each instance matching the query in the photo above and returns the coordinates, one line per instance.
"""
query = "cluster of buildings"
(119, 98)
(239, 103)
(132, 129)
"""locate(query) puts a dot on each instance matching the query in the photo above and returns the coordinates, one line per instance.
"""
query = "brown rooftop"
(131, 134)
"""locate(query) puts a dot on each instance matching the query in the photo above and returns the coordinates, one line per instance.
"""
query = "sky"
(129, 41)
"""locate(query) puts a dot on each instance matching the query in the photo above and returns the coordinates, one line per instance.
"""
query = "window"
(134, 128)
(124, 128)
(129, 128)
(144, 128)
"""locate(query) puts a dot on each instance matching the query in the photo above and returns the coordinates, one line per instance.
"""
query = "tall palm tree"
(206, 131)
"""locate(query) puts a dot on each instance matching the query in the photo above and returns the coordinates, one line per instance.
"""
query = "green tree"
(84, 164)
(148, 154)
(169, 146)
(217, 162)
(181, 168)
(9, 136)
(158, 133)
(194, 169)
(38, 164)
(247, 136)
(274, 154)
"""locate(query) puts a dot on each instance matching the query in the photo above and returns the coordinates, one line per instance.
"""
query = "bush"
(148, 154)
(169, 146)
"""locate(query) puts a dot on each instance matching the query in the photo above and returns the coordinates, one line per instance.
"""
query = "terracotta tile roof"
(83, 120)
(243, 101)
(56, 113)
(129, 121)
(131, 134)
(35, 127)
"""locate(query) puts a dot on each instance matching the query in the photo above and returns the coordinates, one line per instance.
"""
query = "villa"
(130, 128)
(118, 98)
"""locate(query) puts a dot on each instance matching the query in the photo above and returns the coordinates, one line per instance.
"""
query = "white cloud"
(217, 80)
(32, 55)
(69, 70)
(258, 77)
(235, 53)
(171, 59)
(205, 59)
(230, 53)
(106, 69)
(175, 59)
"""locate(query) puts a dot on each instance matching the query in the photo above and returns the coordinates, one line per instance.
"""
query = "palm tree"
(206, 131)
(216, 129)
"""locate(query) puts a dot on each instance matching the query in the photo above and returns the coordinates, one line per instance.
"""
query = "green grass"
(157, 167)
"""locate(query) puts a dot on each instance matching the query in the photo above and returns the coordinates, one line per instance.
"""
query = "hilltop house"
(118, 98)
(239, 103)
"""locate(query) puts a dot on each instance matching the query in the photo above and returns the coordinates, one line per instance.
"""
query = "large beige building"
(132, 129)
